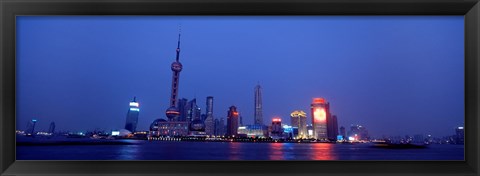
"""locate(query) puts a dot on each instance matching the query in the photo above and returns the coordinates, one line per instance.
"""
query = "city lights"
(134, 109)
(134, 104)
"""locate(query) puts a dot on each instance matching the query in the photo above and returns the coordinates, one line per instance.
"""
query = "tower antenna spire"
(178, 44)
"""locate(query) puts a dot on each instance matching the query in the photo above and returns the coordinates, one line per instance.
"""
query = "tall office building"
(232, 122)
(258, 116)
(172, 112)
(332, 127)
(277, 129)
(209, 122)
(299, 120)
(320, 112)
(132, 116)
(182, 108)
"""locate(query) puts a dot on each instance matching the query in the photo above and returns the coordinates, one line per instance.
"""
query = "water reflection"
(322, 151)
(276, 151)
(235, 150)
(129, 152)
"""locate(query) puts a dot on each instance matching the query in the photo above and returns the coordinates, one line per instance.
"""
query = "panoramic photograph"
(240, 88)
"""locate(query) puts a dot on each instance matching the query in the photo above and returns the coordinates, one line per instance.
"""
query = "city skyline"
(241, 96)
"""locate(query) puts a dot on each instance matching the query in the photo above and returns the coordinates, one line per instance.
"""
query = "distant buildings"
(258, 116)
(31, 127)
(299, 120)
(132, 116)
(358, 133)
(232, 122)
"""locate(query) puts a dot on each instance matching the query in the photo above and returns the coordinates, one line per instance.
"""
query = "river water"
(181, 150)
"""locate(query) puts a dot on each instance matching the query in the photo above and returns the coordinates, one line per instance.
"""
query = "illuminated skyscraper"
(132, 116)
(232, 122)
(320, 111)
(299, 120)
(209, 122)
(258, 116)
(172, 112)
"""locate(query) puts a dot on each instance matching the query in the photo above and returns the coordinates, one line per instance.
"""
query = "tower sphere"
(172, 113)
(176, 66)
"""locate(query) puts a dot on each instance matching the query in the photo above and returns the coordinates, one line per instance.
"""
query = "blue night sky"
(395, 75)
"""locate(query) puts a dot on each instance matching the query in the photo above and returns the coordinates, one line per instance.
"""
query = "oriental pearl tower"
(172, 112)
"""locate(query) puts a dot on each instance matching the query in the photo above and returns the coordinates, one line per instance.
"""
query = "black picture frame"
(9, 9)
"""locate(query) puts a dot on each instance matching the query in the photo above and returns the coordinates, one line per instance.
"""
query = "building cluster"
(184, 118)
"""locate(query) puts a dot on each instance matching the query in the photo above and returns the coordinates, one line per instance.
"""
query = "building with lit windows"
(299, 120)
(320, 110)
(260, 131)
(232, 122)
(162, 127)
(132, 115)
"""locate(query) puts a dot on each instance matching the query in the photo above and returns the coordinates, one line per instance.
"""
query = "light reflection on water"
(170, 150)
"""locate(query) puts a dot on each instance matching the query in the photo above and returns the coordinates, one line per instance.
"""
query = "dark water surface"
(176, 150)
